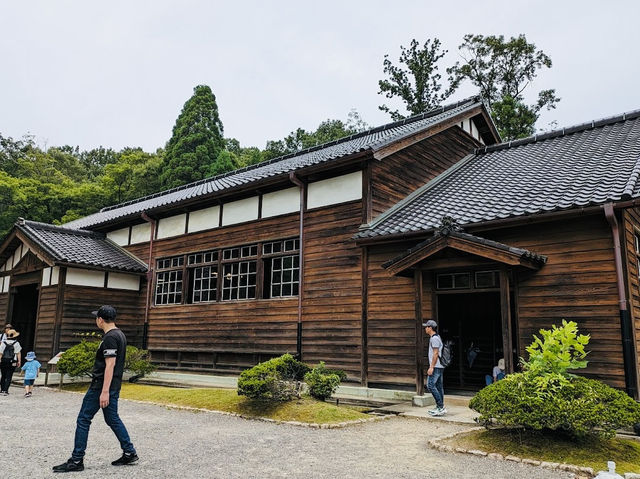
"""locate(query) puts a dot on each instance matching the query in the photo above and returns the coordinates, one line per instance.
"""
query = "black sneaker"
(125, 459)
(69, 466)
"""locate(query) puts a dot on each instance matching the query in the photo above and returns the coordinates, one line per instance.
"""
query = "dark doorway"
(473, 322)
(23, 317)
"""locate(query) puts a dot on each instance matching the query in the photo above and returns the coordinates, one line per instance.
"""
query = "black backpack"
(9, 353)
(446, 355)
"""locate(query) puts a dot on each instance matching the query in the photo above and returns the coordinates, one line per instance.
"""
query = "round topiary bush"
(323, 382)
(279, 379)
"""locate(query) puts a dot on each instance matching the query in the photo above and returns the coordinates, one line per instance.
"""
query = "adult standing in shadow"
(10, 359)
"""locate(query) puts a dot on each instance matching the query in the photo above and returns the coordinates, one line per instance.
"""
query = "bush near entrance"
(547, 397)
(78, 360)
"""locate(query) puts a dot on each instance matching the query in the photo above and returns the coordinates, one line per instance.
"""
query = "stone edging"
(312, 425)
(437, 444)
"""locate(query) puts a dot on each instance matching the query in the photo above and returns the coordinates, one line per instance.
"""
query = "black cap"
(106, 312)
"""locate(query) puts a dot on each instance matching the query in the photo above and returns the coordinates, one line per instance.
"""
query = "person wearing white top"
(9, 362)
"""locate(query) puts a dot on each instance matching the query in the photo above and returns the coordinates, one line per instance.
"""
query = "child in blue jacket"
(31, 369)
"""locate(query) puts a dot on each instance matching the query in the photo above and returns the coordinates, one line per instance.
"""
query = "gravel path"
(184, 444)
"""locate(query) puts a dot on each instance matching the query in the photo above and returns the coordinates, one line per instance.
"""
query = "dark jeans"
(434, 383)
(90, 406)
(6, 370)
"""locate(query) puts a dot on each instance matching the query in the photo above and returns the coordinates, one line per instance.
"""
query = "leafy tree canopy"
(416, 81)
(502, 70)
(196, 141)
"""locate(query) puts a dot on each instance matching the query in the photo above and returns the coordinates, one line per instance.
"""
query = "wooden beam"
(417, 281)
(57, 324)
(364, 355)
(505, 313)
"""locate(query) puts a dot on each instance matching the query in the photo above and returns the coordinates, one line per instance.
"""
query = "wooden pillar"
(364, 353)
(505, 310)
(57, 324)
(417, 281)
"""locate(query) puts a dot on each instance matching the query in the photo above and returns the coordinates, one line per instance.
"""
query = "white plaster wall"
(123, 281)
(119, 237)
(204, 219)
(140, 233)
(55, 274)
(240, 211)
(5, 284)
(172, 226)
(335, 190)
(46, 276)
(4, 267)
(281, 202)
(85, 277)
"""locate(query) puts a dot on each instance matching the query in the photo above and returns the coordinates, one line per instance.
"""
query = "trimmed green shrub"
(78, 360)
(577, 409)
(279, 379)
(323, 382)
(546, 396)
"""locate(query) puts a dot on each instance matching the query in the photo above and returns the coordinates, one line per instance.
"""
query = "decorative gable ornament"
(448, 225)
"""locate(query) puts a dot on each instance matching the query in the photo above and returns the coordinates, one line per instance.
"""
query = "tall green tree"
(415, 80)
(502, 70)
(196, 141)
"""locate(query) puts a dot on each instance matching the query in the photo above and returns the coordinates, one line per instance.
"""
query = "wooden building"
(337, 253)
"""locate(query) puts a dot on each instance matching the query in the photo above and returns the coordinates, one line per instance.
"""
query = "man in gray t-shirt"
(435, 371)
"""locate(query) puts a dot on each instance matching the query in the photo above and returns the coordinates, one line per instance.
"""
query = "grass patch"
(306, 410)
(551, 448)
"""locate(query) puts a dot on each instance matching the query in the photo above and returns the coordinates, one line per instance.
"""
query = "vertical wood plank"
(505, 310)
(417, 281)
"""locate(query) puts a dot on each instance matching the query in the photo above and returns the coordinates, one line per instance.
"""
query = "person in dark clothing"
(103, 392)
(10, 359)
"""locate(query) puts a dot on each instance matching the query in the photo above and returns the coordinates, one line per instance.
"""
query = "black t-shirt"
(113, 345)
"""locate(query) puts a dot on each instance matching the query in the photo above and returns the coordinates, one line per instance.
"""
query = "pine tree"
(196, 142)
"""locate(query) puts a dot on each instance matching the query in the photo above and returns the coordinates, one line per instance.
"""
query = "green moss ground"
(547, 447)
(307, 410)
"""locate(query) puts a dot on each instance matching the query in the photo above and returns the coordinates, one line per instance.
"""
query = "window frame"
(187, 263)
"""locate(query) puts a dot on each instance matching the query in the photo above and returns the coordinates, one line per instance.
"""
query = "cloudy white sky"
(116, 73)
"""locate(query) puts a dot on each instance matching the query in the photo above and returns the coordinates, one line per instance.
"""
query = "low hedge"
(279, 379)
(576, 407)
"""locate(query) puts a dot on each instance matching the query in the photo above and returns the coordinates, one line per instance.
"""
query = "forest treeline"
(62, 183)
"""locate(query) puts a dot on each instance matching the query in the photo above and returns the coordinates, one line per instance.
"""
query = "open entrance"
(473, 322)
(24, 313)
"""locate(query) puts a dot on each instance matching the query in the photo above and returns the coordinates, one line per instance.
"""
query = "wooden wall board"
(631, 229)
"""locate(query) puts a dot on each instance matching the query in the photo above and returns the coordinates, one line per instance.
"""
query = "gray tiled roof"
(369, 140)
(588, 164)
(72, 246)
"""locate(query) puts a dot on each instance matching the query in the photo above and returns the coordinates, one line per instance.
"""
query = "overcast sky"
(117, 73)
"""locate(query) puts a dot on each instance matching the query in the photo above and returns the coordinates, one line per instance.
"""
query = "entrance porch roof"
(466, 243)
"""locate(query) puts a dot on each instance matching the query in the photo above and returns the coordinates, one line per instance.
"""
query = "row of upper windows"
(194, 278)
(321, 193)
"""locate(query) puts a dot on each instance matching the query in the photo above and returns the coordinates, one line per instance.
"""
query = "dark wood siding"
(578, 283)
(45, 322)
(399, 174)
(332, 305)
(4, 304)
(391, 329)
(79, 301)
(222, 335)
(631, 228)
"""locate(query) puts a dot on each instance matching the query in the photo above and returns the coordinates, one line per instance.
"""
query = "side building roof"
(374, 140)
(588, 164)
(67, 246)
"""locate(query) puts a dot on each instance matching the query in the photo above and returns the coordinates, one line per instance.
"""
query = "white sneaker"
(440, 412)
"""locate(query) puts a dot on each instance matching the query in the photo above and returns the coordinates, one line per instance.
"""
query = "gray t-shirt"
(435, 343)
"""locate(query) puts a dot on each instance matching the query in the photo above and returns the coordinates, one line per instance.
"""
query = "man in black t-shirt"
(103, 393)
